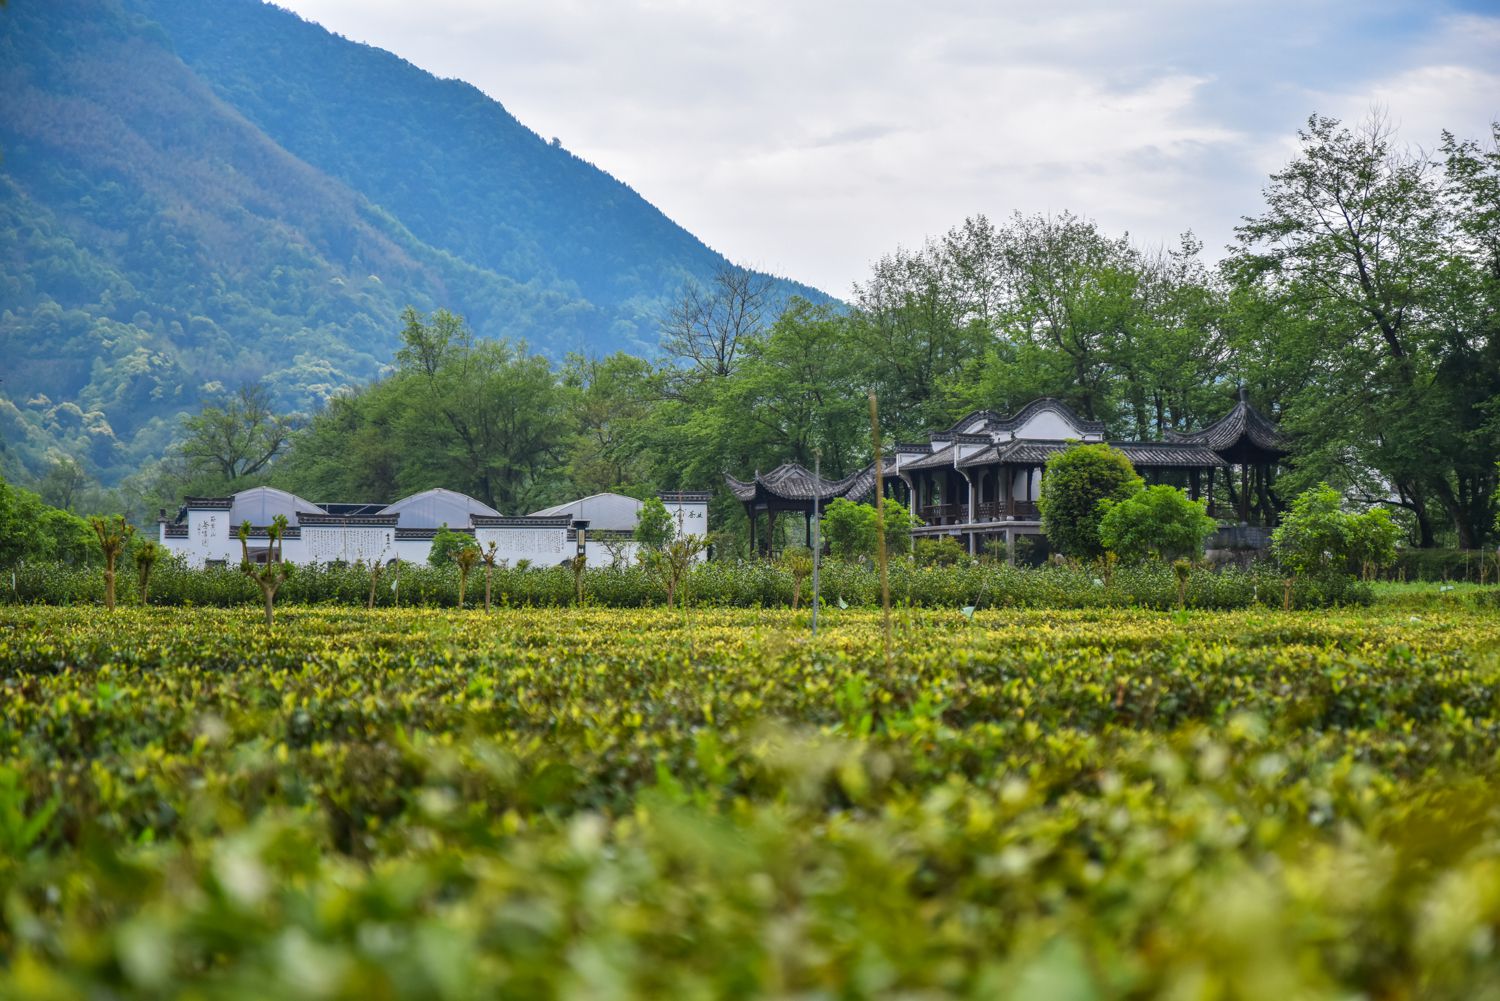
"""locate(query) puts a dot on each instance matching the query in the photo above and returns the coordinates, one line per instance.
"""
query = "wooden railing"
(943, 514)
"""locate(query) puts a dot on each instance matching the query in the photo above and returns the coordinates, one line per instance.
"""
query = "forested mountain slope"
(194, 195)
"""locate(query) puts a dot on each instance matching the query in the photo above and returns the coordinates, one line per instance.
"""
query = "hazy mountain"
(198, 194)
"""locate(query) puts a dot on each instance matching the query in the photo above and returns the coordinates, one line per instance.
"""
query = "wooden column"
(1196, 476)
(750, 510)
(1244, 494)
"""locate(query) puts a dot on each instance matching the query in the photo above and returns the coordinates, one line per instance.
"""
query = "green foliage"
(1446, 565)
(236, 436)
(1076, 486)
(31, 531)
(404, 804)
(146, 555)
(488, 418)
(1314, 536)
(654, 528)
(1156, 522)
(747, 584)
(446, 544)
(849, 529)
(1372, 541)
(943, 551)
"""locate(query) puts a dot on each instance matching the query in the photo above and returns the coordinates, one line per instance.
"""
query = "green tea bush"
(748, 584)
(609, 803)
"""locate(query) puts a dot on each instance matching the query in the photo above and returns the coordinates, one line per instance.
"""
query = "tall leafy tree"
(1355, 236)
(612, 401)
(237, 436)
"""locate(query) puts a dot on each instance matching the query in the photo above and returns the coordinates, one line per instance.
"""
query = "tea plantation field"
(603, 803)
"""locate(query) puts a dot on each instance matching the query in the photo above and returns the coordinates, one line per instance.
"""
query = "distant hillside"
(196, 194)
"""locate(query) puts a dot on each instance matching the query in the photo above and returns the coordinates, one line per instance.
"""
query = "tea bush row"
(719, 584)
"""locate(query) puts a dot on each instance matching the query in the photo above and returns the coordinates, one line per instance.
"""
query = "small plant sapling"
(114, 535)
(145, 561)
(275, 572)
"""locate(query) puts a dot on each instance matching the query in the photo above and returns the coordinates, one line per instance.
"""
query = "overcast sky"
(809, 137)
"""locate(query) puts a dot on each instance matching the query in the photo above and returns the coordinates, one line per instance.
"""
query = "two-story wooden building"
(979, 480)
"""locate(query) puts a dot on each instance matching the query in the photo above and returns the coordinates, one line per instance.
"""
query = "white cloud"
(810, 138)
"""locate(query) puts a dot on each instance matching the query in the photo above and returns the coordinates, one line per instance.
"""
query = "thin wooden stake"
(816, 541)
(885, 580)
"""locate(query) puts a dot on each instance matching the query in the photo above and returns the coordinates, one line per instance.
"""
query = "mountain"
(194, 195)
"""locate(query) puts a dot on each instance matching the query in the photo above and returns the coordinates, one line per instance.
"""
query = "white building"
(206, 529)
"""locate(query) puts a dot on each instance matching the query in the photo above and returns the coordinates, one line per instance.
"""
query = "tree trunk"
(270, 594)
(1458, 514)
(489, 578)
(109, 584)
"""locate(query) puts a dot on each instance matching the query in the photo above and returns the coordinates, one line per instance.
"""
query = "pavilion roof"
(794, 483)
(1242, 435)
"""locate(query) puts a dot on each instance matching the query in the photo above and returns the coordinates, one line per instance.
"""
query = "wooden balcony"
(988, 511)
(944, 514)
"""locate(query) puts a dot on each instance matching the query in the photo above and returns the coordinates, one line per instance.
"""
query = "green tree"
(237, 436)
(485, 417)
(849, 528)
(1313, 538)
(1372, 541)
(1076, 486)
(943, 551)
(1399, 365)
(446, 544)
(34, 532)
(1155, 522)
(274, 572)
(612, 401)
(654, 527)
(464, 557)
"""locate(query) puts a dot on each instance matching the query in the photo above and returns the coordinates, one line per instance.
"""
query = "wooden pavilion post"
(1244, 493)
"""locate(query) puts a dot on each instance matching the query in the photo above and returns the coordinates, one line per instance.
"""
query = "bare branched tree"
(710, 324)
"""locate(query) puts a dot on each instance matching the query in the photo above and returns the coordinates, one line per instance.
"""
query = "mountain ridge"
(180, 211)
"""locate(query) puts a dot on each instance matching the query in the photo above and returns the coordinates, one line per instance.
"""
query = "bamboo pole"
(817, 543)
(880, 554)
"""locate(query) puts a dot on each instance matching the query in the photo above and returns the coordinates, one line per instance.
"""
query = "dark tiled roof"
(1140, 453)
(995, 422)
(791, 481)
(1243, 434)
(366, 521)
(522, 521)
(943, 457)
(1163, 453)
(1032, 453)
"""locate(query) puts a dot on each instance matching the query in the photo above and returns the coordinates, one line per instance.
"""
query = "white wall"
(691, 516)
(544, 547)
(1048, 425)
